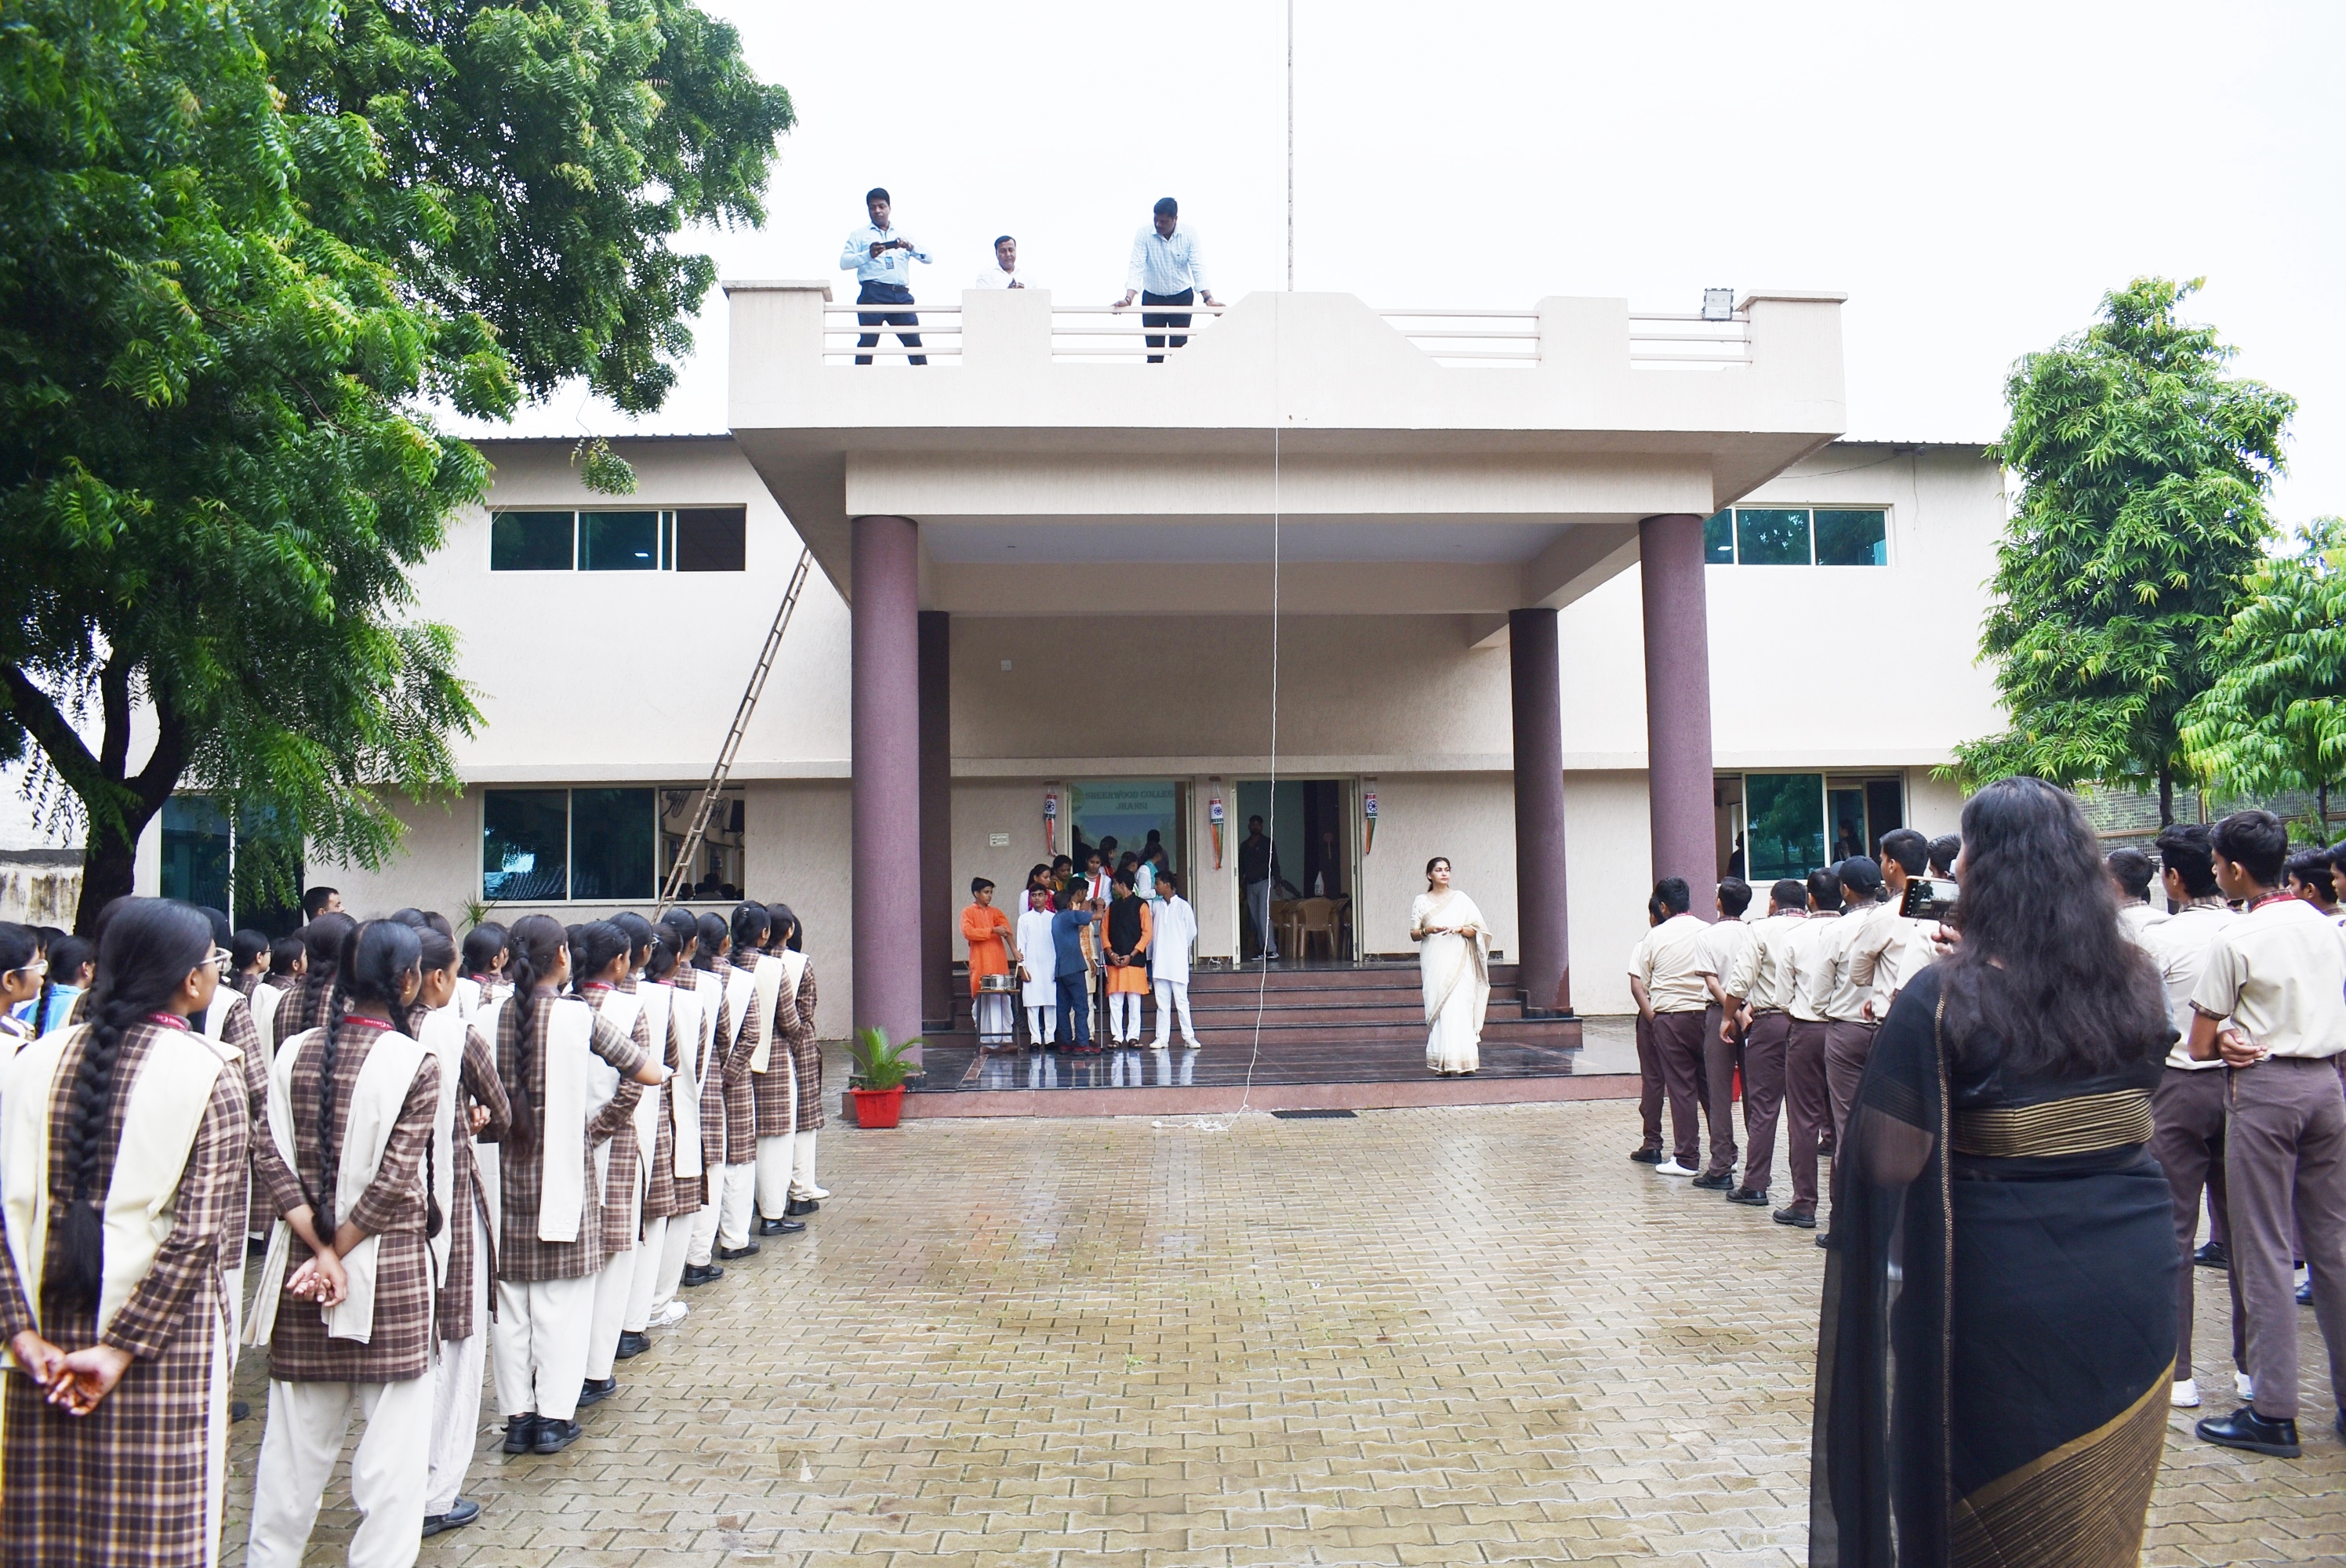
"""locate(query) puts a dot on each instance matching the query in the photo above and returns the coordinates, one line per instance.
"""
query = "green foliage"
(245, 243)
(2144, 469)
(2275, 720)
(879, 1064)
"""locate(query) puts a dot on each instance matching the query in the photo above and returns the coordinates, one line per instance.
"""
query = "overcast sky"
(1974, 178)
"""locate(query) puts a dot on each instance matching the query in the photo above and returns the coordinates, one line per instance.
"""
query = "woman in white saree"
(1455, 958)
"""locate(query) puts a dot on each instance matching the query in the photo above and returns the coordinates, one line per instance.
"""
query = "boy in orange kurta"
(989, 933)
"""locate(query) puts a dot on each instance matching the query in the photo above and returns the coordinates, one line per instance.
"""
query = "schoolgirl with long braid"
(773, 1068)
(672, 1165)
(806, 1059)
(116, 1424)
(351, 1105)
(622, 1110)
(750, 1013)
(24, 977)
(709, 968)
(550, 1241)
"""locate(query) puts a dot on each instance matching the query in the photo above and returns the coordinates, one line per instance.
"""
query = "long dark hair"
(533, 946)
(683, 931)
(714, 934)
(639, 936)
(66, 956)
(593, 946)
(375, 966)
(750, 924)
(151, 945)
(482, 945)
(784, 921)
(2043, 978)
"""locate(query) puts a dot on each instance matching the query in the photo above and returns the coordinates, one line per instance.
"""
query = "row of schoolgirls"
(512, 1152)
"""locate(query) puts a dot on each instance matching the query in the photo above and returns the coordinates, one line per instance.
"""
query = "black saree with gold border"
(1998, 1326)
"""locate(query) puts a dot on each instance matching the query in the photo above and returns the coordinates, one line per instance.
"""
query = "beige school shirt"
(1762, 975)
(1729, 942)
(1671, 960)
(1811, 959)
(2138, 920)
(2279, 974)
(1911, 949)
(2179, 945)
(1865, 933)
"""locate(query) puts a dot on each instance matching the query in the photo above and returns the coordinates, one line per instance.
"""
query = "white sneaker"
(2185, 1394)
(669, 1316)
(2248, 1385)
(819, 1193)
(1672, 1167)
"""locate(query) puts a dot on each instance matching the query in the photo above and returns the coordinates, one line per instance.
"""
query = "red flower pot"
(879, 1107)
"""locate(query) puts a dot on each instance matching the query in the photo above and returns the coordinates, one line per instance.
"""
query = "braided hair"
(785, 928)
(714, 936)
(69, 955)
(594, 947)
(374, 968)
(683, 932)
(533, 951)
(639, 936)
(750, 924)
(150, 947)
(661, 964)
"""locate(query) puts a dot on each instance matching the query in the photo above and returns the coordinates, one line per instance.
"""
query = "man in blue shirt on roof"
(881, 261)
(1166, 269)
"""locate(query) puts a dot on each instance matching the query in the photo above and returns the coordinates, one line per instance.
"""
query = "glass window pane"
(719, 873)
(529, 542)
(522, 844)
(1853, 538)
(1718, 539)
(619, 541)
(1784, 835)
(195, 851)
(712, 539)
(1848, 813)
(1884, 812)
(612, 843)
(1771, 536)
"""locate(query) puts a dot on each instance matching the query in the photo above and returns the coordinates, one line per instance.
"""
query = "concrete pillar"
(1545, 955)
(884, 791)
(936, 821)
(1677, 703)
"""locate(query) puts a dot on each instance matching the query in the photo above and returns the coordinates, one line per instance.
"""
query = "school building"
(1574, 596)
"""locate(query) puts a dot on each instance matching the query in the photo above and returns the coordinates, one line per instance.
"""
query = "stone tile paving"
(1443, 1336)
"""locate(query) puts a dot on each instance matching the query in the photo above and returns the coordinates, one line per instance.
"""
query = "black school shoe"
(1723, 1182)
(632, 1344)
(1647, 1157)
(701, 1274)
(781, 1226)
(2246, 1429)
(1805, 1219)
(2212, 1255)
(595, 1390)
(799, 1206)
(460, 1513)
(747, 1249)
(1744, 1195)
(521, 1432)
(553, 1436)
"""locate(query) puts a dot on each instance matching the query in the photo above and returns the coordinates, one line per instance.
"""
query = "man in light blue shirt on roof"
(881, 261)
(1166, 269)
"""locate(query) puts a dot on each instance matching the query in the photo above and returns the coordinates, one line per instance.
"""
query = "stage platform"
(1341, 1036)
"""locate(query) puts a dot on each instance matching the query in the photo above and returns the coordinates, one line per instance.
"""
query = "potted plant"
(878, 1082)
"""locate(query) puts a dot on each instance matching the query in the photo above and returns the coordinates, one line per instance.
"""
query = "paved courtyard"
(1435, 1335)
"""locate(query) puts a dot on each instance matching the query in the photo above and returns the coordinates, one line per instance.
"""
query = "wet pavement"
(1450, 1334)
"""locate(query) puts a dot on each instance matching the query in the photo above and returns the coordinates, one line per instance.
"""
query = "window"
(196, 851)
(1786, 816)
(613, 836)
(242, 870)
(1798, 536)
(619, 541)
(693, 539)
(529, 542)
(525, 844)
(718, 875)
(1788, 824)
(600, 845)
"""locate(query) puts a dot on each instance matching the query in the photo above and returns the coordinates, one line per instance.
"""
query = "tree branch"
(114, 693)
(38, 713)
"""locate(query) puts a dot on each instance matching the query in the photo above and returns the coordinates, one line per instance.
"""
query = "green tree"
(2144, 469)
(228, 297)
(2275, 720)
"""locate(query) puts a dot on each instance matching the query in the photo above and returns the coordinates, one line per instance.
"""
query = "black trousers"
(887, 294)
(1164, 318)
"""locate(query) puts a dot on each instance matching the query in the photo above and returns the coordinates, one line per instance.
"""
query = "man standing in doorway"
(1257, 868)
(881, 261)
(1166, 269)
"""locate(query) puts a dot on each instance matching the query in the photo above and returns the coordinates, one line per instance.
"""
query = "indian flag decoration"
(1050, 822)
(1368, 821)
(1214, 820)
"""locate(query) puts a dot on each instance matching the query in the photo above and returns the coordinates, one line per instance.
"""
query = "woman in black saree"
(1999, 1307)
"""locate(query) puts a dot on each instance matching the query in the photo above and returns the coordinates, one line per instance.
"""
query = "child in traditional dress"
(116, 1432)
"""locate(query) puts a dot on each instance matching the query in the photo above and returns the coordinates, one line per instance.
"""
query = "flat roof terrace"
(1427, 460)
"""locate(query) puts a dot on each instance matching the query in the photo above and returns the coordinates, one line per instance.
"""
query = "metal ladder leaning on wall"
(679, 873)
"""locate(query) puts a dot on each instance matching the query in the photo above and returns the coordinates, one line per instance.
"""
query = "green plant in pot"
(878, 1081)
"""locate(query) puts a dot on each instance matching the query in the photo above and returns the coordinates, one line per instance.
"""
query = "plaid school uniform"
(521, 1258)
(806, 1052)
(664, 1196)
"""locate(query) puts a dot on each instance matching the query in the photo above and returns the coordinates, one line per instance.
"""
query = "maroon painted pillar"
(1545, 957)
(885, 704)
(936, 821)
(1677, 703)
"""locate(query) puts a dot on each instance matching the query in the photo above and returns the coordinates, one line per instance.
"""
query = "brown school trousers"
(2188, 1112)
(2284, 1153)
(1763, 1096)
(1808, 1106)
(1678, 1042)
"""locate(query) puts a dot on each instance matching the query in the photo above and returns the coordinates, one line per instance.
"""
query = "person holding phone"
(882, 260)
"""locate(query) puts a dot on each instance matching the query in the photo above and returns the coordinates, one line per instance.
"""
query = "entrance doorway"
(1312, 856)
(1130, 815)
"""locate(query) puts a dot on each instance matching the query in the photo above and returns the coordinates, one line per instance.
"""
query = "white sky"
(1975, 178)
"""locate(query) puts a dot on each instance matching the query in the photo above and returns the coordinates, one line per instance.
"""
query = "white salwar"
(1457, 978)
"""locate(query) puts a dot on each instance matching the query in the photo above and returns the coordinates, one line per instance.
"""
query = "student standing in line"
(710, 968)
(352, 1113)
(483, 980)
(1128, 928)
(1868, 929)
(881, 261)
(550, 1218)
(1039, 970)
(1667, 978)
(670, 1199)
(806, 1062)
(1169, 947)
(1756, 988)
(607, 957)
(1808, 1102)
(248, 959)
(2278, 975)
(2306, 875)
(1651, 1092)
(239, 1026)
(289, 960)
(751, 1020)
(2130, 874)
(23, 978)
(114, 1444)
(1728, 939)
(773, 1071)
(323, 941)
(71, 962)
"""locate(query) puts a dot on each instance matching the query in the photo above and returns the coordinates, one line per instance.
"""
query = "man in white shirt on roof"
(1667, 975)
(882, 260)
(1003, 273)
(1166, 269)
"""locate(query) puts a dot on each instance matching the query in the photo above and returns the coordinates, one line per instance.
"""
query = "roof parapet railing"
(1662, 339)
(1118, 333)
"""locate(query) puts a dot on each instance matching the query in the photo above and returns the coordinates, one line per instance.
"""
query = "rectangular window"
(619, 541)
(196, 851)
(1853, 538)
(711, 539)
(1785, 819)
(1771, 536)
(717, 873)
(525, 844)
(530, 541)
(613, 844)
(1718, 539)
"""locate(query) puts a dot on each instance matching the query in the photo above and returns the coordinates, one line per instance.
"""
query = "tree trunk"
(109, 865)
(2165, 799)
(2321, 799)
